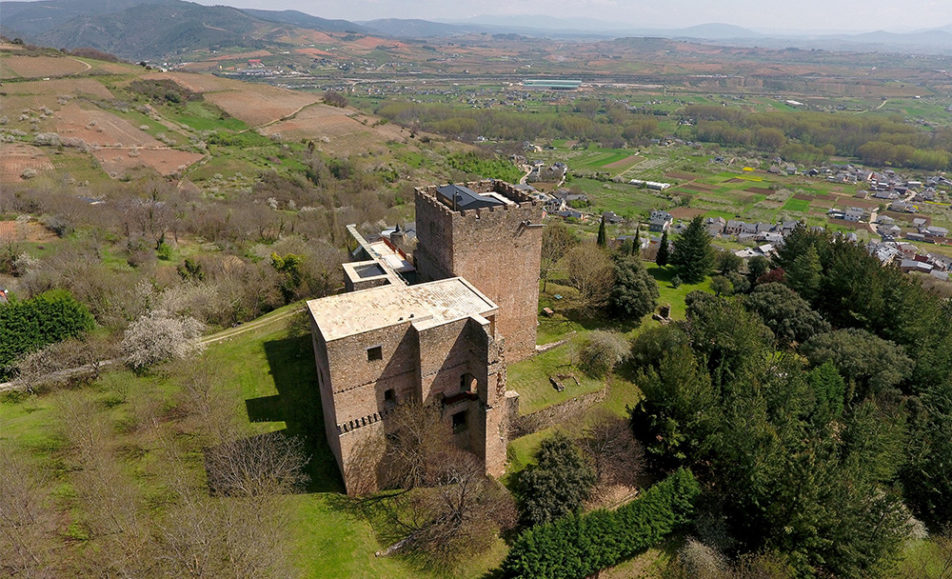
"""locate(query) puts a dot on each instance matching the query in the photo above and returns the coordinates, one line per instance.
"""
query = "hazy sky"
(775, 15)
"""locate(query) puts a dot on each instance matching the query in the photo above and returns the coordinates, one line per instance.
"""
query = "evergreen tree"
(636, 242)
(635, 292)
(693, 254)
(662, 257)
(602, 240)
(803, 274)
(557, 484)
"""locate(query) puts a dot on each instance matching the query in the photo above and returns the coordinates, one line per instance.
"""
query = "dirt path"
(221, 336)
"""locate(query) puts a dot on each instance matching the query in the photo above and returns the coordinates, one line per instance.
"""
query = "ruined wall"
(497, 249)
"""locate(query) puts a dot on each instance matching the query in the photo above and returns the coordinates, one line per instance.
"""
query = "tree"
(728, 262)
(757, 266)
(270, 463)
(601, 352)
(458, 517)
(870, 364)
(662, 257)
(157, 336)
(786, 313)
(804, 274)
(601, 240)
(636, 242)
(693, 256)
(635, 293)
(557, 484)
(721, 285)
(416, 432)
(592, 273)
(335, 99)
(557, 239)
(610, 445)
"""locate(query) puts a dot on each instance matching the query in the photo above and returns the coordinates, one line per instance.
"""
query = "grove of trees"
(817, 422)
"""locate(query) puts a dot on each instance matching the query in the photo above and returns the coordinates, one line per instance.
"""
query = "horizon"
(780, 18)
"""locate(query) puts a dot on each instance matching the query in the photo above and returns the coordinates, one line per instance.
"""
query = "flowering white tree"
(158, 336)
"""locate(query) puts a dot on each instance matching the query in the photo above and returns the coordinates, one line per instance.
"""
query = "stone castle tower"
(489, 233)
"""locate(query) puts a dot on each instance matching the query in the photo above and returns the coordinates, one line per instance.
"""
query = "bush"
(601, 352)
(579, 546)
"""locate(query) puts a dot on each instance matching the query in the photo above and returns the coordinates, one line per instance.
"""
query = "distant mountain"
(302, 20)
(715, 31)
(415, 28)
(152, 29)
(29, 19)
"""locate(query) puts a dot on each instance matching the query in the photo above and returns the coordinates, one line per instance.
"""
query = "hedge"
(29, 325)
(578, 546)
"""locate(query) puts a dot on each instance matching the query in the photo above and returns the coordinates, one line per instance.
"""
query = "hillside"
(175, 27)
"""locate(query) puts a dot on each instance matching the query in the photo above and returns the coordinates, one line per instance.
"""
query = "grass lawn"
(675, 295)
(530, 378)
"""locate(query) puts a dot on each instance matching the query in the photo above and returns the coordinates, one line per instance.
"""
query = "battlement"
(513, 197)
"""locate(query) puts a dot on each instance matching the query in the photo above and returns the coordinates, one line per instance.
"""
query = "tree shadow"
(298, 405)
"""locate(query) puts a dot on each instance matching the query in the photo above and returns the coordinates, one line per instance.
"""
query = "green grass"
(530, 378)
(675, 295)
(797, 205)
(925, 558)
(203, 116)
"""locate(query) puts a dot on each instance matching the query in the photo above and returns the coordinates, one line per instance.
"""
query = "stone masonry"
(445, 341)
(497, 249)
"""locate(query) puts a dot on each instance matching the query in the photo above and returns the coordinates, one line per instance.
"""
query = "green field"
(797, 205)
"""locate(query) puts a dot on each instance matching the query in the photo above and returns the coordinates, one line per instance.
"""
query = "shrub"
(601, 352)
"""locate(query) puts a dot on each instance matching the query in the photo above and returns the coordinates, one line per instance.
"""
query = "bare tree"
(460, 516)
(557, 239)
(265, 464)
(27, 525)
(615, 454)
(591, 272)
(64, 361)
(415, 431)
(110, 505)
(203, 536)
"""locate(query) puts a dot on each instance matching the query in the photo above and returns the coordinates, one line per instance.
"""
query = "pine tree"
(662, 257)
(636, 242)
(601, 241)
(693, 254)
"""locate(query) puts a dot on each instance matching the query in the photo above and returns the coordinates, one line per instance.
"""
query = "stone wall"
(497, 249)
(556, 414)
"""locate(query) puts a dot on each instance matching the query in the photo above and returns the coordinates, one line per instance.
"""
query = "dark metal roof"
(460, 197)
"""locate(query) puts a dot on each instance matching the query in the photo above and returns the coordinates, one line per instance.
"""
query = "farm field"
(42, 66)
(17, 158)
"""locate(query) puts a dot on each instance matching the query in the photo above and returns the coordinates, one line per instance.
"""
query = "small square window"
(459, 421)
(375, 353)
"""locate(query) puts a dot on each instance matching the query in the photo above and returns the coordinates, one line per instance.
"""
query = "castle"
(445, 340)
